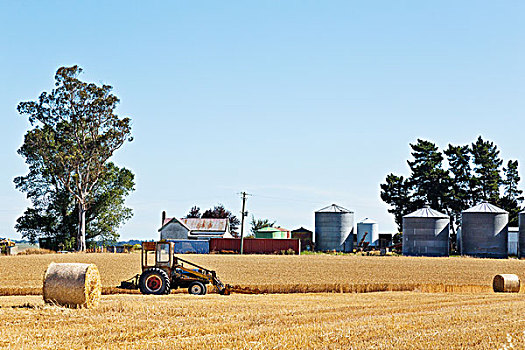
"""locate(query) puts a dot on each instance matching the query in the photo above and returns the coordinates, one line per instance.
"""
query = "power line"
(287, 199)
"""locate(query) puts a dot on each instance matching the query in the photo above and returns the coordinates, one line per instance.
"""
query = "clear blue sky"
(302, 103)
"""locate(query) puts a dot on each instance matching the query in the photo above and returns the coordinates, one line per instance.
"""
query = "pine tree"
(512, 196)
(487, 165)
(396, 192)
(195, 213)
(460, 191)
(428, 179)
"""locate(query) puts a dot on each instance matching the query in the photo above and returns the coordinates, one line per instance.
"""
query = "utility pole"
(243, 215)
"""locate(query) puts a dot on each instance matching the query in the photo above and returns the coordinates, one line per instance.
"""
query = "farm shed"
(255, 245)
(426, 233)
(174, 228)
(334, 229)
(484, 231)
(305, 236)
(273, 233)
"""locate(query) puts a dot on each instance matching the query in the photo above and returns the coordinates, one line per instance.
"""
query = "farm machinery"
(6, 245)
(162, 272)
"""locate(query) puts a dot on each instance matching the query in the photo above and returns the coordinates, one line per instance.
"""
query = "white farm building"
(174, 228)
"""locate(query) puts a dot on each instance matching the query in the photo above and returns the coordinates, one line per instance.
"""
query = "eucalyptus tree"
(75, 131)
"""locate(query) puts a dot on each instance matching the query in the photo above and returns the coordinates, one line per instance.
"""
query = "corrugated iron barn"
(306, 237)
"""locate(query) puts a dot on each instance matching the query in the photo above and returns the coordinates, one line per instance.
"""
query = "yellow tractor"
(162, 272)
(5, 245)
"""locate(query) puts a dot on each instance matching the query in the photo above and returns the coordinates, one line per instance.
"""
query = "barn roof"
(168, 220)
(302, 229)
(217, 225)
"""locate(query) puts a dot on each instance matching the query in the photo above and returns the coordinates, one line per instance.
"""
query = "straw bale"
(506, 283)
(72, 285)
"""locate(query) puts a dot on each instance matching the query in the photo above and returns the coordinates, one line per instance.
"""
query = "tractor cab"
(158, 254)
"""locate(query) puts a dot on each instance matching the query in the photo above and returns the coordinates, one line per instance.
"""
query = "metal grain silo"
(367, 228)
(521, 235)
(334, 229)
(484, 231)
(426, 233)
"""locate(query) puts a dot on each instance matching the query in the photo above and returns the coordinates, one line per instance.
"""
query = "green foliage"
(397, 193)
(487, 170)
(75, 132)
(429, 182)
(461, 193)
(195, 213)
(257, 224)
(512, 197)
(54, 213)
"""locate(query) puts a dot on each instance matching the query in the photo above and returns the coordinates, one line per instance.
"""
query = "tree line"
(453, 180)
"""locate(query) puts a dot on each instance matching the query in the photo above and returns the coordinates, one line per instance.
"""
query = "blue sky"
(301, 103)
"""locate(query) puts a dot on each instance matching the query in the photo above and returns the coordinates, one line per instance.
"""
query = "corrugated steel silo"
(369, 228)
(426, 233)
(521, 235)
(484, 231)
(512, 247)
(334, 229)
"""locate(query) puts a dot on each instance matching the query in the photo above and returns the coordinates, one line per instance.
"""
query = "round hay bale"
(506, 283)
(72, 285)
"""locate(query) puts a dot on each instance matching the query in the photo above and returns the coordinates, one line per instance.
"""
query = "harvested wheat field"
(403, 320)
(284, 274)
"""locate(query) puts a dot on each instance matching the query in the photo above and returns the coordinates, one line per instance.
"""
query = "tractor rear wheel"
(154, 281)
(197, 288)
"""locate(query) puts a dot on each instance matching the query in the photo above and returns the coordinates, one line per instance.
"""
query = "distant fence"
(255, 245)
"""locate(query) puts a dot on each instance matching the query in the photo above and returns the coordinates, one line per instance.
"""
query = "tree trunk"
(81, 235)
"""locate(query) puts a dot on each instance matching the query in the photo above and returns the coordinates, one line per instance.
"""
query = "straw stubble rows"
(285, 274)
(474, 318)
(403, 320)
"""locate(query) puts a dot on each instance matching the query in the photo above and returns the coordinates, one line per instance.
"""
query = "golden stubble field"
(389, 320)
(468, 316)
(275, 273)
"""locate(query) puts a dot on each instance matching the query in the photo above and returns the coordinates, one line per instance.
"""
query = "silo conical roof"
(426, 212)
(485, 207)
(334, 209)
(367, 221)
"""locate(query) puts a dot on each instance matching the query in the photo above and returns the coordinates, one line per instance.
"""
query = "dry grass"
(35, 251)
(284, 274)
(401, 320)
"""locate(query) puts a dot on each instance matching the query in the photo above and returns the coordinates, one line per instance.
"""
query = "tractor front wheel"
(154, 281)
(197, 288)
